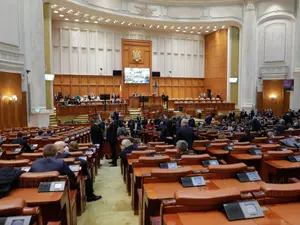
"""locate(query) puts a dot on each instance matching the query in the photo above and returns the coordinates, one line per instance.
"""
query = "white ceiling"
(71, 12)
(191, 2)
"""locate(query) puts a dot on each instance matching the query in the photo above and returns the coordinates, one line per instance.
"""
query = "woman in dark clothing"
(167, 135)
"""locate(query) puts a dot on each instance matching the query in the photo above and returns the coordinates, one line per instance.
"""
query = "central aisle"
(115, 206)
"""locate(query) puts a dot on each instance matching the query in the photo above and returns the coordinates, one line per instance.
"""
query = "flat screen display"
(288, 85)
(136, 75)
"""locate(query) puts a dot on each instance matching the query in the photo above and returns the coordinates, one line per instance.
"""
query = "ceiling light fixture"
(70, 11)
(122, 22)
(129, 23)
(207, 31)
(66, 19)
(77, 14)
(61, 15)
(76, 20)
(223, 26)
(135, 25)
(151, 26)
(193, 28)
(177, 30)
(192, 32)
(186, 27)
(86, 15)
(165, 27)
(62, 9)
(107, 21)
(95, 21)
(93, 17)
(55, 11)
(53, 6)
(157, 26)
(199, 32)
(201, 28)
(215, 29)
(172, 27)
(184, 31)
(115, 21)
(207, 27)
(87, 21)
(100, 19)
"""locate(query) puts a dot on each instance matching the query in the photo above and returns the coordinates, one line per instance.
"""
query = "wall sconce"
(9, 99)
(273, 97)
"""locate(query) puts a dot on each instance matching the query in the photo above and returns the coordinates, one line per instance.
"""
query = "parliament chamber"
(150, 112)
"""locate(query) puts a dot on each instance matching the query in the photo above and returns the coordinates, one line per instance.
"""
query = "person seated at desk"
(182, 147)
(218, 96)
(50, 163)
(20, 141)
(48, 133)
(127, 147)
(39, 135)
(63, 152)
(78, 97)
(248, 137)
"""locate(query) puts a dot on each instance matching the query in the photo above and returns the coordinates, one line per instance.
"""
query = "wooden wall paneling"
(273, 87)
(259, 101)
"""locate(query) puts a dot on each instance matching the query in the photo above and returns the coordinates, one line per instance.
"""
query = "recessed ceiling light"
(61, 15)
(66, 19)
(199, 32)
(172, 27)
(165, 27)
(201, 28)
(108, 20)
(192, 32)
(151, 26)
(122, 22)
(70, 11)
(223, 26)
(95, 21)
(193, 28)
(101, 18)
(157, 26)
(207, 27)
(86, 21)
(177, 30)
(184, 31)
(62, 9)
(86, 15)
(215, 29)
(93, 17)
(186, 27)
(53, 6)
(76, 20)
(77, 14)
(55, 11)
(129, 23)
(135, 25)
(115, 21)
(207, 31)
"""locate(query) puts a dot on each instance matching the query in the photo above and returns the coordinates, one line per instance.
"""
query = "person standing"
(112, 138)
(186, 133)
(97, 133)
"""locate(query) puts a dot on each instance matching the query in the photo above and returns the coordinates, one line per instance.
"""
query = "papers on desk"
(25, 168)
(243, 210)
(17, 150)
(169, 165)
(248, 177)
(83, 158)
(74, 168)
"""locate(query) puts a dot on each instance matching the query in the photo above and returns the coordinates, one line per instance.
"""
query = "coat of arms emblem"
(136, 55)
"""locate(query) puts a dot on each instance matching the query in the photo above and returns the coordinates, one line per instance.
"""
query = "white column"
(34, 61)
(229, 54)
(247, 84)
(295, 100)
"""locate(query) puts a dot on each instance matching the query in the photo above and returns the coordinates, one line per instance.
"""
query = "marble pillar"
(247, 84)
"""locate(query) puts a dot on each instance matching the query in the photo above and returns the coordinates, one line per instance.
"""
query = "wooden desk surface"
(281, 214)
(139, 171)
(33, 197)
(219, 152)
(245, 156)
(242, 187)
(283, 164)
(167, 190)
(130, 161)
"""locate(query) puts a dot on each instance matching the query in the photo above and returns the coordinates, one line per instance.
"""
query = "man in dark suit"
(20, 141)
(186, 133)
(248, 137)
(112, 138)
(116, 114)
(50, 163)
(97, 130)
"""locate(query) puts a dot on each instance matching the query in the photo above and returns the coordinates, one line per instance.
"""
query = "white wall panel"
(74, 37)
(101, 40)
(65, 63)
(74, 62)
(83, 38)
(92, 39)
(65, 37)
(89, 48)
(83, 64)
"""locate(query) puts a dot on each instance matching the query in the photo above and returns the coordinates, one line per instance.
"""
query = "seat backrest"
(173, 173)
(193, 159)
(14, 163)
(9, 147)
(161, 148)
(277, 155)
(31, 156)
(12, 207)
(228, 168)
(146, 160)
(32, 180)
(269, 147)
(214, 146)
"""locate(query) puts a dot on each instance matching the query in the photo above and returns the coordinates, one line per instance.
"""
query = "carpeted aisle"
(115, 206)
